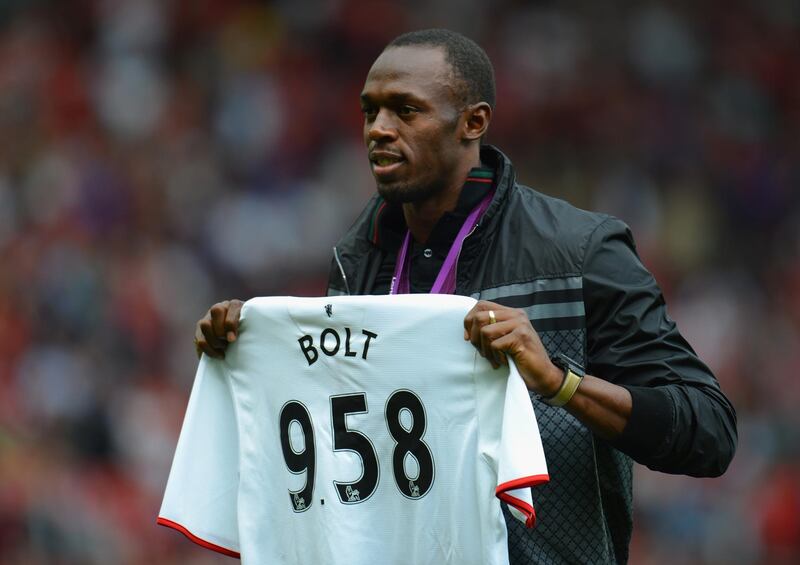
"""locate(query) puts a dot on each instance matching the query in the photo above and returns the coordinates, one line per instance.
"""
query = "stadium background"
(158, 156)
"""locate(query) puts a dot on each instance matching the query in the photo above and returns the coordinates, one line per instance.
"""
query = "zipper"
(458, 256)
(341, 270)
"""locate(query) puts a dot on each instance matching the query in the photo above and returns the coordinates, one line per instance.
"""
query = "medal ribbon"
(446, 279)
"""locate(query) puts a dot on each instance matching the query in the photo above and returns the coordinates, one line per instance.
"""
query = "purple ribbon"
(446, 279)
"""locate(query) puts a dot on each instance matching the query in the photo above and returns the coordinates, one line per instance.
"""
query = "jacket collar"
(504, 176)
(387, 226)
(355, 260)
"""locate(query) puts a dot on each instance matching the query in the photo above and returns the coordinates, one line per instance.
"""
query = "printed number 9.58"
(408, 441)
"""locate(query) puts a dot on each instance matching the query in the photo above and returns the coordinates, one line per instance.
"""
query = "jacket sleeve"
(681, 422)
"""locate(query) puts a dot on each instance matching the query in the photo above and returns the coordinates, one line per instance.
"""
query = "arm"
(652, 397)
(680, 420)
(603, 407)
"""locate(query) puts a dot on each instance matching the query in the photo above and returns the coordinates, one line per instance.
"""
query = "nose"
(381, 127)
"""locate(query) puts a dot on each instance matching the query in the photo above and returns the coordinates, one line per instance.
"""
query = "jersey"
(354, 430)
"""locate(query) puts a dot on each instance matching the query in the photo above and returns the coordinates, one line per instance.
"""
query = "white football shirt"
(349, 430)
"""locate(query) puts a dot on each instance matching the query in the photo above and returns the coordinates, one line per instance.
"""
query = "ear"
(476, 121)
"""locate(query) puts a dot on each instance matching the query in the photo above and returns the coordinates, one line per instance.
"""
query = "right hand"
(218, 328)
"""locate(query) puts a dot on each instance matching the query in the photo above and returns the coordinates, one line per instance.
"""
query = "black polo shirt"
(426, 260)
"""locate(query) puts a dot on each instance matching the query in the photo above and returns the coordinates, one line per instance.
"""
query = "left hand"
(512, 334)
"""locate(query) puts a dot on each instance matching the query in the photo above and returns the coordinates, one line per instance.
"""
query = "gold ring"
(492, 319)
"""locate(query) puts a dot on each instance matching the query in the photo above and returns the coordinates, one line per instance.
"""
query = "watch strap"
(567, 390)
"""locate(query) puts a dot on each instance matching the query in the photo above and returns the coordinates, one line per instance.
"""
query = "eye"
(407, 110)
(369, 112)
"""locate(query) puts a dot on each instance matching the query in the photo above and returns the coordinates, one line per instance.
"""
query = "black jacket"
(577, 275)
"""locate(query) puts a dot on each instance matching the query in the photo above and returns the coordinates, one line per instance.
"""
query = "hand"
(218, 328)
(512, 334)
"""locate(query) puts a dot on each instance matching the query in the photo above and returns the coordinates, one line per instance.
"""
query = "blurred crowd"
(157, 156)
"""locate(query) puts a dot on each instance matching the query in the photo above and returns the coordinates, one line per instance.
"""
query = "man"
(561, 290)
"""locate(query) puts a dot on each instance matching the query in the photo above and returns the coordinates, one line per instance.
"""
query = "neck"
(422, 216)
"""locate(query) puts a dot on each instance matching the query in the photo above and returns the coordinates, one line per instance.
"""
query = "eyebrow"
(395, 98)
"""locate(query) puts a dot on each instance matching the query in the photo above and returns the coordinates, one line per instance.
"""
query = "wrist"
(572, 375)
(551, 384)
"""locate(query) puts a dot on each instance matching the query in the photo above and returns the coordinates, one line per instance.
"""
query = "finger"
(207, 330)
(197, 348)
(202, 346)
(469, 320)
(486, 347)
(475, 333)
(480, 313)
(503, 358)
(501, 347)
(231, 323)
(505, 345)
(218, 312)
(479, 329)
(490, 333)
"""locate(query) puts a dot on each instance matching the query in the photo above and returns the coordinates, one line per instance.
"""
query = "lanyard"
(446, 279)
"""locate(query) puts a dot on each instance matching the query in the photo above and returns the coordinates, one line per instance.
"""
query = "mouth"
(385, 163)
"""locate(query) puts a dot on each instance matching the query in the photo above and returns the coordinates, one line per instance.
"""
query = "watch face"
(563, 362)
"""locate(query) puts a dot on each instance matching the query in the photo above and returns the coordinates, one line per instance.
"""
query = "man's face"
(411, 123)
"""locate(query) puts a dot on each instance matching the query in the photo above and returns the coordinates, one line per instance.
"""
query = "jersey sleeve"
(521, 462)
(200, 499)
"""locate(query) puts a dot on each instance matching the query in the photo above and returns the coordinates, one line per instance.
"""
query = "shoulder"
(554, 214)
(565, 233)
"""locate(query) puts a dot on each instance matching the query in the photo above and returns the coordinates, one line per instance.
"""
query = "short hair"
(470, 63)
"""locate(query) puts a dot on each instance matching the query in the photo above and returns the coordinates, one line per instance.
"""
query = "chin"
(403, 192)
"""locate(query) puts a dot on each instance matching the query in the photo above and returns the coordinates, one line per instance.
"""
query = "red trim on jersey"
(199, 541)
(521, 505)
(485, 181)
(522, 482)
